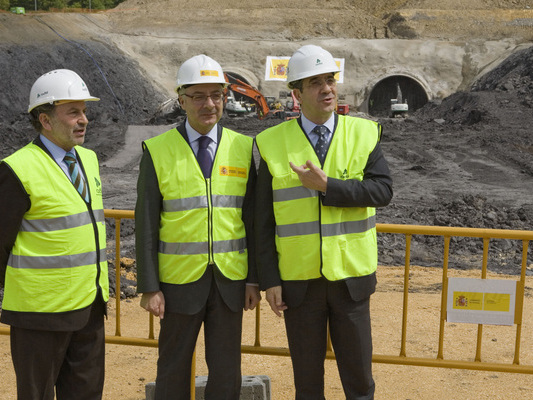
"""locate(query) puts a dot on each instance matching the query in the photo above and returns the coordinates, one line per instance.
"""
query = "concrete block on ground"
(149, 391)
(254, 387)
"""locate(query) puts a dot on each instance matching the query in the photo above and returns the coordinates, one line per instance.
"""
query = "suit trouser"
(177, 341)
(350, 331)
(72, 362)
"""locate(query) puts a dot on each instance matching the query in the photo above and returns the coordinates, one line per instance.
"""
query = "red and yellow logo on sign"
(232, 171)
(208, 72)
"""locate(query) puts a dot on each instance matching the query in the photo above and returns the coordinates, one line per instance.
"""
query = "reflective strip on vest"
(294, 193)
(345, 228)
(191, 203)
(224, 246)
(51, 262)
(227, 201)
(303, 228)
(311, 228)
(56, 224)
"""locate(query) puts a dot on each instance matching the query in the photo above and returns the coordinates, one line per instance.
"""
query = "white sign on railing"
(481, 301)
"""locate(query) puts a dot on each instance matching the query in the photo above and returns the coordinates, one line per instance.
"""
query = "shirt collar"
(193, 135)
(57, 152)
(308, 126)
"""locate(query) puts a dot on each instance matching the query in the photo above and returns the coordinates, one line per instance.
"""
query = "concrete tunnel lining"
(379, 93)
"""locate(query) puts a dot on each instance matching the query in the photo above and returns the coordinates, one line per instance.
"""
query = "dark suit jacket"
(375, 190)
(14, 202)
(188, 298)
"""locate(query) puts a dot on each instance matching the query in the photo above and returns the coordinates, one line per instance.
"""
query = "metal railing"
(447, 233)
(402, 358)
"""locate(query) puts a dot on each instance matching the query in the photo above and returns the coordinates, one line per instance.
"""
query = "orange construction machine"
(262, 107)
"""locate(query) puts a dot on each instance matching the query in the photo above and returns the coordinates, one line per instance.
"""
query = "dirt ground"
(465, 160)
(128, 368)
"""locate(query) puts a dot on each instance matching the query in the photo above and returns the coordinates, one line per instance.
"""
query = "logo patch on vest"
(344, 174)
(232, 171)
(98, 186)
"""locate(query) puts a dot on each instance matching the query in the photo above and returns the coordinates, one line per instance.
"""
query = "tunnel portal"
(379, 101)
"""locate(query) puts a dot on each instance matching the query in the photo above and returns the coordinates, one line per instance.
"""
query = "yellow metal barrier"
(447, 233)
(408, 231)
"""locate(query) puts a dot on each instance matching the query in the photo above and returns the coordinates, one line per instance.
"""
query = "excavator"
(238, 86)
(262, 107)
(398, 108)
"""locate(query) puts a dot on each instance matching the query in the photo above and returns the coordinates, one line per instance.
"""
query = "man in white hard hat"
(194, 216)
(53, 248)
(320, 178)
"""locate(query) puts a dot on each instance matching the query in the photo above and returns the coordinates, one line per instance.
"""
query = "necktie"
(76, 176)
(321, 147)
(204, 157)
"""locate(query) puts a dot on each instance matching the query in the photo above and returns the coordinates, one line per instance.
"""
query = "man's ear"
(298, 94)
(44, 119)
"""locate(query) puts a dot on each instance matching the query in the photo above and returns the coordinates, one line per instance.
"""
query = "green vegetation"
(31, 5)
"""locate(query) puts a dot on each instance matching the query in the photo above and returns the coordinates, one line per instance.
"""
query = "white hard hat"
(56, 85)
(200, 69)
(310, 60)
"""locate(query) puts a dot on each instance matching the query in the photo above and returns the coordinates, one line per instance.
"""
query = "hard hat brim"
(224, 84)
(90, 98)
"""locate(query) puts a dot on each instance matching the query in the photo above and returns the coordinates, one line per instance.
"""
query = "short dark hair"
(46, 108)
(296, 84)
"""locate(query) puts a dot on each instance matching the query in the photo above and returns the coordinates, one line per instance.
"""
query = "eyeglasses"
(199, 99)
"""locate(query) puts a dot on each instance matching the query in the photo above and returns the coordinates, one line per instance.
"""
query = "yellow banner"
(233, 171)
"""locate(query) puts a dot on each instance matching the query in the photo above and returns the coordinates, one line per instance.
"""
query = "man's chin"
(79, 140)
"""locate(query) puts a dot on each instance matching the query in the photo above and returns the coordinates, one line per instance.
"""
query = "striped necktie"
(76, 176)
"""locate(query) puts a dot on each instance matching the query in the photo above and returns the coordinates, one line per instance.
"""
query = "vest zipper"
(97, 242)
(320, 233)
(96, 234)
(211, 257)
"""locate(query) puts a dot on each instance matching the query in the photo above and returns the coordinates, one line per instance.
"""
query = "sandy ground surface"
(129, 368)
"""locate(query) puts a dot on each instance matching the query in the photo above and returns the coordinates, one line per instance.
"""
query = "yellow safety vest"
(313, 240)
(58, 260)
(201, 219)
